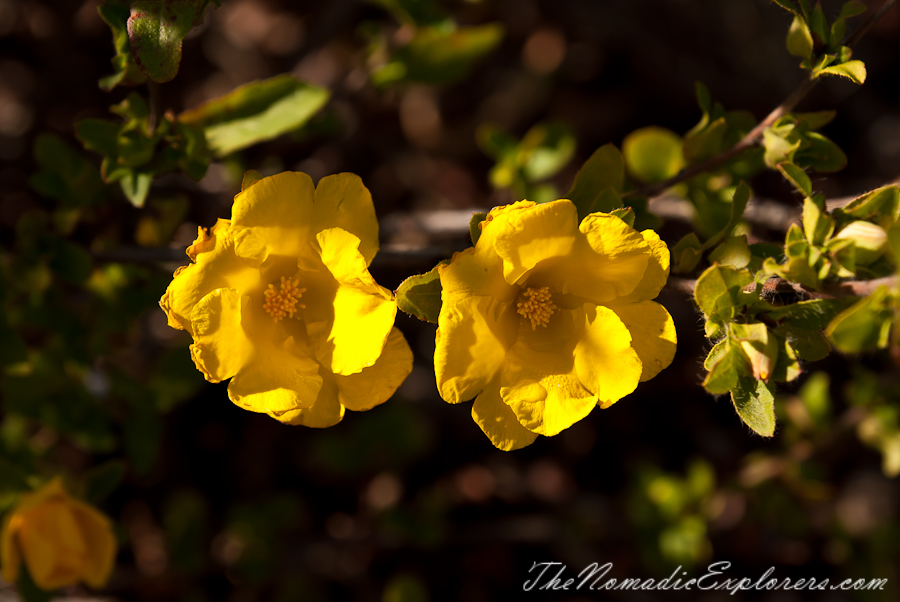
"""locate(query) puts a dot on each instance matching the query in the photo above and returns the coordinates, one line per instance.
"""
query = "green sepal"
(475, 226)
(755, 405)
(420, 296)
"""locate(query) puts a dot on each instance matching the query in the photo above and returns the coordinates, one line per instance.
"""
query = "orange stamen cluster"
(535, 305)
(283, 302)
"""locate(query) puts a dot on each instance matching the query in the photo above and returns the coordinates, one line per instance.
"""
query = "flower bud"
(870, 241)
(61, 540)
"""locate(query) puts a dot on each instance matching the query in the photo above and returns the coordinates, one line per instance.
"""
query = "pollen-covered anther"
(283, 302)
(535, 305)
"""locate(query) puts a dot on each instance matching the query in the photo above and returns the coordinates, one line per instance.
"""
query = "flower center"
(283, 302)
(535, 305)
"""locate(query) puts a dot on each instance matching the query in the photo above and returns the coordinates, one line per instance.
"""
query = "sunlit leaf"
(755, 405)
(855, 71)
(653, 154)
(420, 295)
(156, 29)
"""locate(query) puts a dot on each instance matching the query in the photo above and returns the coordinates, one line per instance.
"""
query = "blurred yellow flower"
(279, 299)
(544, 319)
(62, 540)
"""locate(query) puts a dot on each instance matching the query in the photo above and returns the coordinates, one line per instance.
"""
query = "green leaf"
(734, 252)
(724, 371)
(65, 174)
(604, 169)
(28, 590)
(251, 177)
(796, 176)
(822, 154)
(781, 144)
(545, 149)
(475, 226)
(126, 70)
(255, 112)
(704, 100)
(686, 254)
(420, 296)
(136, 186)
(755, 405)
(855, 71)
(810, 345)
(816, 120)
(797, 269)
(99, 135)
(818, 26)
(738, 206)
(799, 38)
(653, 154)
(715, 354)
(706, 143)
(865, 325)
(817, 397)
(852, 9)
(894, 242)
(813, 314)
(719, 291)
(884, 200)
(156, 29)
(438, 55)
(817, 224)
(102, 480)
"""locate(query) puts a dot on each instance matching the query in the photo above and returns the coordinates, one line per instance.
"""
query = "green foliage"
(599, 182)
(866, 324)
(133, 153)
(439, 55)
(255, 112)
(755, 405)
(116, 14)
(544, 150)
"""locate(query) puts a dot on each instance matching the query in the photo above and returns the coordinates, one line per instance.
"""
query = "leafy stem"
(754, 135)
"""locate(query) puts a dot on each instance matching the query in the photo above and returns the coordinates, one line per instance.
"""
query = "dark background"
(410, 501)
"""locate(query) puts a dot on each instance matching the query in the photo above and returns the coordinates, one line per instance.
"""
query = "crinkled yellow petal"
(326, 411)
(276, 380)
(10, 559)
(274, 217)
(605, 361)
(100, 543)
(538, 381)
(375, 384)
(342, 201)
(523, 238)
(363, 311)
(216, 267)
(607, 260)
(652, 334)
(477, 271)
(498, 421)
(656, 274)
(221, 347)
(472, 338)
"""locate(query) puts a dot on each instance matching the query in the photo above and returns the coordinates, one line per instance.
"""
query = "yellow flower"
(279, 299)
(544, 319)
(62, 540)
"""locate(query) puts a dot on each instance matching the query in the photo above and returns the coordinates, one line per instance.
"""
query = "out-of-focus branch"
(754, 135)
(847, 288)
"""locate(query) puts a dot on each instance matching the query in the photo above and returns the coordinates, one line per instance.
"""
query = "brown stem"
(756, 133)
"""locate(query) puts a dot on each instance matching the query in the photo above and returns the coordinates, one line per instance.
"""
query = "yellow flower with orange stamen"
(545, 318)
(280, 300)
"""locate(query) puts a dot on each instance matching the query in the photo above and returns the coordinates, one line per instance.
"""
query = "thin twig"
(756, 133)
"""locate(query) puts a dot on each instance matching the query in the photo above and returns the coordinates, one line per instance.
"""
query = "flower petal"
(363, 311)
(274, 217)
(100, 542)
(527, 235)
(498, 421)
(10, 560)
(652, 334)
(216, 266)
(375, 384)
(52, 545)
(657, 271)
(276, 380)
(342, 201)
(221, 347)
(539, 382)
(326, 411)
(604, 359)
(470, 345)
